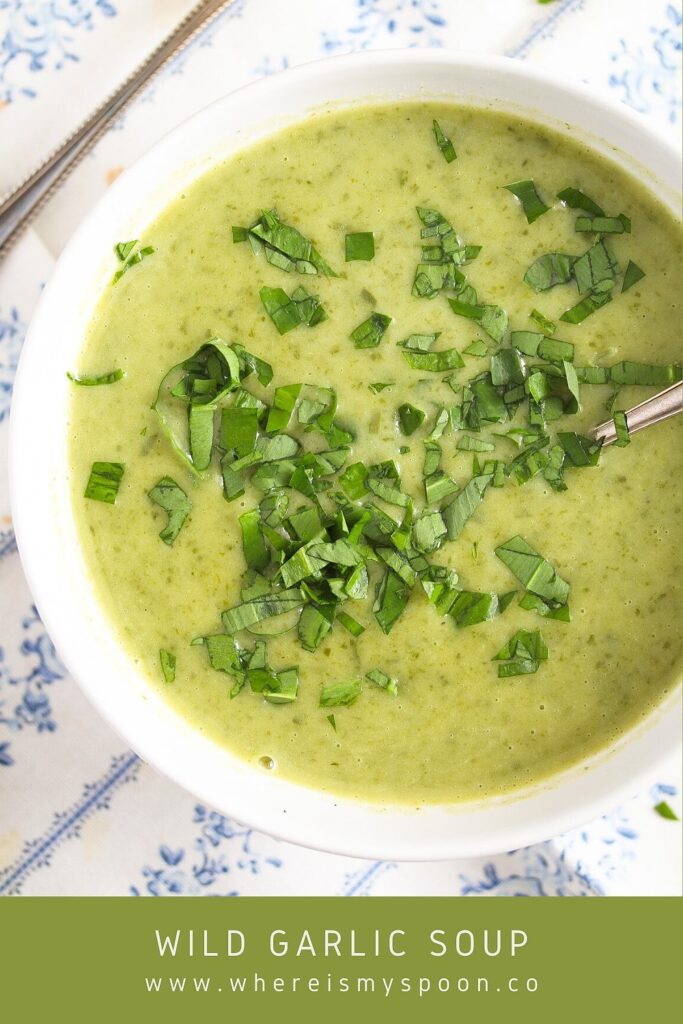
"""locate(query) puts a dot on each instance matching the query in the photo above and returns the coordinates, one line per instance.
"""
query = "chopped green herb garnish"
(604, 225)
(532, 204)
(546, 325)
(173, 500)
(104, 481)
(467, 443)
(376, 388)
(370, 332)
(444, 143)
(384, 681)
(621, 430)
(549, 270)
(443, 254)
(595, 266)
(283, 245)
(103, 378)
(391, 601)
(360, 246)
(533, 571)
(124, 249)
(645, 374)
(288, 313)
(594, 300)
(476, 348)
(464, 504)
(580, 451)
(349, 623)
(575, 199)
(332, 721)
(340, 694)
(167, 660)
(665, 811)
(632, 275)
(128, 258)
(522, 654)
(409, 418)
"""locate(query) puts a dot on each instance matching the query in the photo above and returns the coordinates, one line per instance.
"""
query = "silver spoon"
(21, 205)
(653, 410)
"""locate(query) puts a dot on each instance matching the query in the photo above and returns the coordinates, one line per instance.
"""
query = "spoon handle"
(660, 407)
(21, 205)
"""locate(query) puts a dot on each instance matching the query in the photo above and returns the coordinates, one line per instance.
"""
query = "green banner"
(321, 959)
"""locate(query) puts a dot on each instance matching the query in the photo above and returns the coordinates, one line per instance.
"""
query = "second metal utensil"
(19, 207)
(653, 410)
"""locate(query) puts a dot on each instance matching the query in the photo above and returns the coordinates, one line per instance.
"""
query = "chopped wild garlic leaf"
(103, 378)
(104, 481)
(359, 245)
(167, 660)
(532, 204)
(370, 332)
(444, 143)
(339, 694)
(173, 500)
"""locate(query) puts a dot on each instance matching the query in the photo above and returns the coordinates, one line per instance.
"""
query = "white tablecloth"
(79, 813)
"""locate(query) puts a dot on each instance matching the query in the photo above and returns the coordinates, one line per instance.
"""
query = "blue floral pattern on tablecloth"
(12, 331)
(647, 77)
(25, 678)
(42, 35)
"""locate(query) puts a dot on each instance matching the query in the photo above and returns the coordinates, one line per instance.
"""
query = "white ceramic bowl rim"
(45, 529)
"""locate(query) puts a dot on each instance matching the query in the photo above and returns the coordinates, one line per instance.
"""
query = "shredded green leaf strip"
(632, 275)
(284, 246)
(340, 694)
(589, 304)
(549, 270)
(129, 258)
(575, 199)
(391, 601)
(604, 225)
(476, 348)
(268, 606)
(288, 313)
(104, 481)
(665, 811)
(547, 326)
(91, 382)
(532, 204)
(533, 571)
(410, 418)
(621, 430)
(596, 265)
(465, 504)
(444, 143)
(384, 681)
(359, 245)
(175, 502)
(371, 331)
(168, 663)
(522, 654)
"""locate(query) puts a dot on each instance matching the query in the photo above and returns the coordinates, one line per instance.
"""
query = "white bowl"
(39, 467)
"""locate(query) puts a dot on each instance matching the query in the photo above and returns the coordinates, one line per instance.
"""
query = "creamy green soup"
(412, 710)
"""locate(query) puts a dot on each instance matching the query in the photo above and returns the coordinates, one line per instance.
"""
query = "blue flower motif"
(387, 22)
(648, 77)
(40, 34)
(29, 706)
(12, 332)
(221, 847)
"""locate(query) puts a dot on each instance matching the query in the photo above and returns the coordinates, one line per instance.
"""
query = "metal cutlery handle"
(660, 407)
(23, 203)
